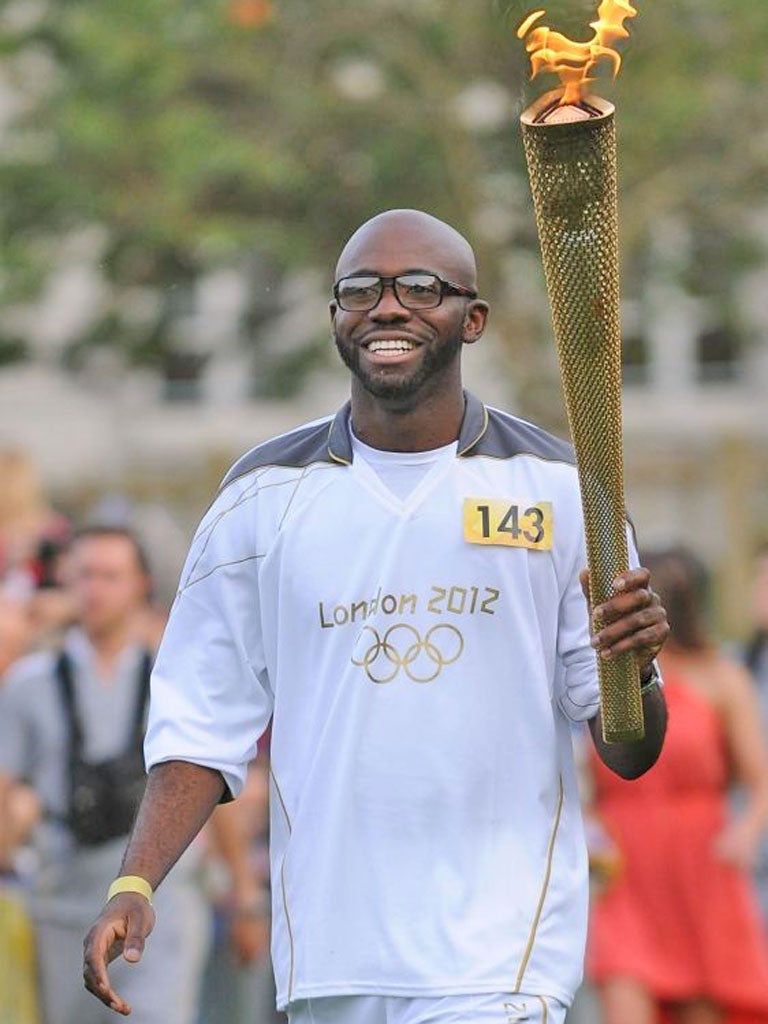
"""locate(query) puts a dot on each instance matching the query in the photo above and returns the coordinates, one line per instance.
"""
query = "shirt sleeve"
(211, 698)
(578, 689)
(17, 748)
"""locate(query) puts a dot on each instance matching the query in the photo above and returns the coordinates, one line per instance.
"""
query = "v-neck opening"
(439, 460)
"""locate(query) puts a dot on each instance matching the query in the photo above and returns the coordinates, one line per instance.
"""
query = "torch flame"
(571, 60)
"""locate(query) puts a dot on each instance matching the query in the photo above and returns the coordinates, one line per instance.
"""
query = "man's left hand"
(633, 619)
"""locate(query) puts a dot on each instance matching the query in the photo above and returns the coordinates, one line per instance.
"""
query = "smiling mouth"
(391, 347)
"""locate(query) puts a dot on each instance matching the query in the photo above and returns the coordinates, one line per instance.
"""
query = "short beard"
(436, 359)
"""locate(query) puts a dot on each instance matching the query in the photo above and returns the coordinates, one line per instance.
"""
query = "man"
(71, 720)
(399, 585)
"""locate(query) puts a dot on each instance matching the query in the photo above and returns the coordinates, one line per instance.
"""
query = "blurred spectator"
(31, 533)
(71, 724)
(756, 659)
(16, 632)
(757, 646)
(678, 936)
(18, 992)
(32, 538)
(18, 976)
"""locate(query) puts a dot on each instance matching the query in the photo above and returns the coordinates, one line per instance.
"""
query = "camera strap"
(67, 690)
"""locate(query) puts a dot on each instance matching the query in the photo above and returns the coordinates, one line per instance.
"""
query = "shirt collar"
(473, 425)
(82, 652)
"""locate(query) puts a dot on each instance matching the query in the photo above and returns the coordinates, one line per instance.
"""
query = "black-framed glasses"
(362, 292)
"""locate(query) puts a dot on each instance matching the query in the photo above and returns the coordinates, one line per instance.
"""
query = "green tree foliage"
(199, 134)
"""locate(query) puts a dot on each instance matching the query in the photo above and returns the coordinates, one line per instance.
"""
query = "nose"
(389, 309)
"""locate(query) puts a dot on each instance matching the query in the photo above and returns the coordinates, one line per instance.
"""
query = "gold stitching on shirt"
(222, 565)
(282, 884)
(282, 802)
(544, 888)
(319, 463)
(290, 500)
(336, 458)
(469, 447)
(290, 930)
(524, 455)
(248, 494)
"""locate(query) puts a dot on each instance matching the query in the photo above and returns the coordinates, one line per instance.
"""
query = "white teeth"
(396, 345)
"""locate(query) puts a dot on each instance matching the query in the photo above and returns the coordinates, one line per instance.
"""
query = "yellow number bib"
(512, 524)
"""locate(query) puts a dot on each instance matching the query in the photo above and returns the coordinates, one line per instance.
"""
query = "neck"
(427, 422)
(108, 642)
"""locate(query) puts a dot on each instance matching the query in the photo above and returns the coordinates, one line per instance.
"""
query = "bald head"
(397, 241)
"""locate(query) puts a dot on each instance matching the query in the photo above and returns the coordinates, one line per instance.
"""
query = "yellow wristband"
(130, 883)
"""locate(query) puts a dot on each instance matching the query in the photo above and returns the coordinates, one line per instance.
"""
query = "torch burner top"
(550, 110)
(566, 114)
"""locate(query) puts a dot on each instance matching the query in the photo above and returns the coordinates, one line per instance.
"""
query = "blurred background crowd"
(176, 179)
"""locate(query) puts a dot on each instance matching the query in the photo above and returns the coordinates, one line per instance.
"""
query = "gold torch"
(570, 148)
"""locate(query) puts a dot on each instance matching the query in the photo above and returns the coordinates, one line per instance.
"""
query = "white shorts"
(472, 1009)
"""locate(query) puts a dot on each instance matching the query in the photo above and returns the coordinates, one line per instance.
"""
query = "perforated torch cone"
(572, 168)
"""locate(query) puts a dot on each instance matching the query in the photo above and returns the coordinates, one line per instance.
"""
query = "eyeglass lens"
(414, 291)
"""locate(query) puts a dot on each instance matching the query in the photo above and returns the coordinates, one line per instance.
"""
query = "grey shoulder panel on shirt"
(484, 431)
(506, 436)
(296, 449)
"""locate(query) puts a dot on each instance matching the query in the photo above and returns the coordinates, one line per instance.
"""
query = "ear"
(332, 307)
(475, 321)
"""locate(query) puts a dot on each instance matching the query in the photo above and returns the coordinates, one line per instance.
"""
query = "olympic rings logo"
(403, 647)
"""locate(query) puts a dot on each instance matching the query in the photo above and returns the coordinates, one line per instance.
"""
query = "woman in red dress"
(677, 936)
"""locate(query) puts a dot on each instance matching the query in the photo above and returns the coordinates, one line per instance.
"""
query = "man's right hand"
(179, 798)
(121, 927)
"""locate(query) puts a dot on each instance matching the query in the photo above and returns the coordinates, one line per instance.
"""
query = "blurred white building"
(696, 419)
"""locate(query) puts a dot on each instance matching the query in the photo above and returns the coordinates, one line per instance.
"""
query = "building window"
(183, 376)
(634, 359)
(718, 354)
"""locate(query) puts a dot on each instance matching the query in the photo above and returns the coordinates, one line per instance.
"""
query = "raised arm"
(177, 802)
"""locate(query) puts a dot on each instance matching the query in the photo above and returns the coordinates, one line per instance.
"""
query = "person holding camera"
(71, 726)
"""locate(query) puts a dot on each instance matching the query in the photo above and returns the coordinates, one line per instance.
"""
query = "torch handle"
(621, 702)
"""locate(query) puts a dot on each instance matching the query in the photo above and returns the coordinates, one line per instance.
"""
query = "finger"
(95, 960)
(636, 602)
(632, 579)
(629, 590)
(648, 641)
(631, 625)
(95, 976)
(136, 932)
(584, 581)
(622, 605)
(610, 633)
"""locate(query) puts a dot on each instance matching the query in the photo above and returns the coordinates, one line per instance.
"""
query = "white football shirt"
(423, 659)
